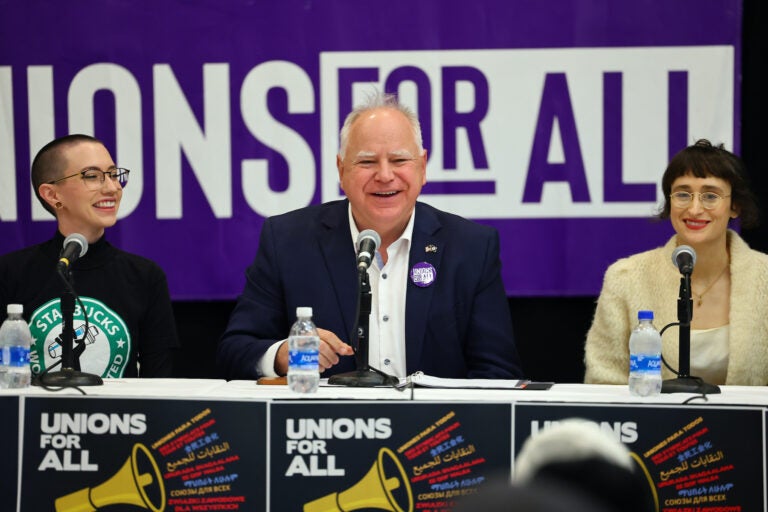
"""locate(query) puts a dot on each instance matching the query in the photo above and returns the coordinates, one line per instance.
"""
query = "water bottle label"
(15, 356)
(303, 360)
(644, 363)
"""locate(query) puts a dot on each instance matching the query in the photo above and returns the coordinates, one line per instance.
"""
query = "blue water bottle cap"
(645, 314)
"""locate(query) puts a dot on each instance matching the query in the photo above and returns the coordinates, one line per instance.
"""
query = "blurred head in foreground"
(501, 495)
(579, 456)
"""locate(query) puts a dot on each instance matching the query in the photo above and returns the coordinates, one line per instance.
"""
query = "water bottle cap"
(14, 309)
(644, 315)
(303, 311)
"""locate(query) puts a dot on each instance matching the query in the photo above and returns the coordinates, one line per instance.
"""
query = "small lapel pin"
(430, 248)
(423, 274)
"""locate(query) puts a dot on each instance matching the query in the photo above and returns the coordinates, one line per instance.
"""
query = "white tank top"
(709, 354)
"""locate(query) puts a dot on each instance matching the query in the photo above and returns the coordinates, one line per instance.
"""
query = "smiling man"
(438, 302)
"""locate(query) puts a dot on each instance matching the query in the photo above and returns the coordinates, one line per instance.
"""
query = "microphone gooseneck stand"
(364, 375)
(70, 374)
(685, 383)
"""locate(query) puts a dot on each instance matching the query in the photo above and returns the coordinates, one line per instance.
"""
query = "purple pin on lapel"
(423, 274)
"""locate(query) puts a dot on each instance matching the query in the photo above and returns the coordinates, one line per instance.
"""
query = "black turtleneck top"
(131, 328)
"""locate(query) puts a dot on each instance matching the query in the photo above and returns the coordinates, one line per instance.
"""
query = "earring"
(58, 204)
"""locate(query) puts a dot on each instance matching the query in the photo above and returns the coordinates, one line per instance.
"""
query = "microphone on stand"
(75, 246)
(364, 376)
(684, 258)
(367, 242)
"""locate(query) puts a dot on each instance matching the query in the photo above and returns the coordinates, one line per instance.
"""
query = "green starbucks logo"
(107, 340)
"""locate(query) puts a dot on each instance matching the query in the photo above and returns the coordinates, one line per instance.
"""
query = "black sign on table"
(384, 456)
(699, 459)
(152, 454)
(9, 432)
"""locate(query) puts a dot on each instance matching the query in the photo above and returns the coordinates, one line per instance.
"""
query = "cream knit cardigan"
(649, 280)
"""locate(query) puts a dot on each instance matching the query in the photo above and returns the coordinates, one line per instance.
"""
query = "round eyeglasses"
(94, 178)
(709, 200)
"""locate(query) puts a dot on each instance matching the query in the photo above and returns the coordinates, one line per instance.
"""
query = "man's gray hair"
(372, 102)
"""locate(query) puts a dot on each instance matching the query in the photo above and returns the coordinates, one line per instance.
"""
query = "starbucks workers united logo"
(107, 340)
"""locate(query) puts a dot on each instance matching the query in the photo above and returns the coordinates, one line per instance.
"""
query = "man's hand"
(331, 347)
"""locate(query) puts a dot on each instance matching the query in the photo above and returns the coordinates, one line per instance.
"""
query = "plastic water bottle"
(645, 357)
(15, 340)
(303, 353)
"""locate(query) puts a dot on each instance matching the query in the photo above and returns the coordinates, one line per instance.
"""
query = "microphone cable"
(702, 396)
(661, 333)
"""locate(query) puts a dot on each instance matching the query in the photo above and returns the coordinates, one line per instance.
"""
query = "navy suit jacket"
(458, 327)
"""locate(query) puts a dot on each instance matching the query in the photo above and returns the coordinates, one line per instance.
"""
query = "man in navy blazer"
(455, 321)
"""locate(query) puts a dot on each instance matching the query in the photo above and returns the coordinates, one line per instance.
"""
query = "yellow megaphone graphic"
(649, 479)
(128, 486)
(374, 490)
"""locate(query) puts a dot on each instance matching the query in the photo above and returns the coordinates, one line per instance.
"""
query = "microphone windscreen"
(79, 239)
(681, 250)
(371, 234)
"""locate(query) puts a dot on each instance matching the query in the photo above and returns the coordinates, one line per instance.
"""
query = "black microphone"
(684, 258)
(75, 246)
(367, 242)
